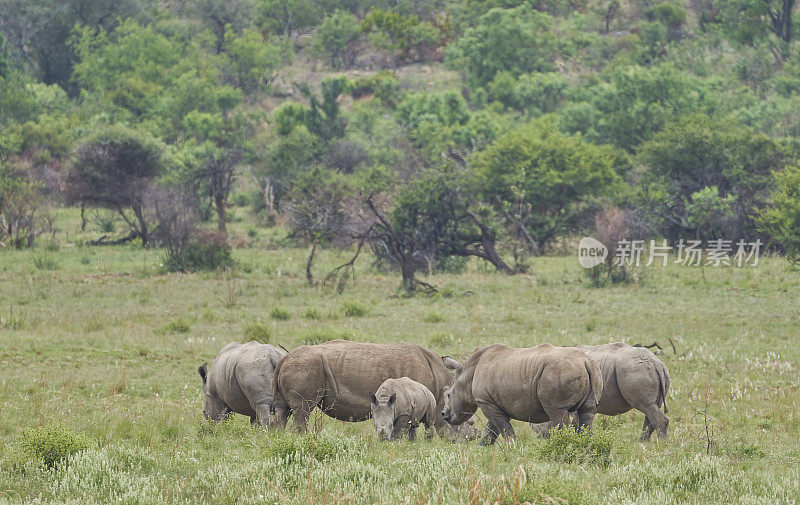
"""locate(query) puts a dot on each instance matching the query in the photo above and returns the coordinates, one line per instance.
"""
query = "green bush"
(105, 221)
(207, 251)
(279, 314)
(567, 445)
(433, 317)
(52, 444)
(353, 309)
(442, 339)
(312, 313)
(241, 199)
(51, 247)
(383, 86)
(258, 332)
(177, 326)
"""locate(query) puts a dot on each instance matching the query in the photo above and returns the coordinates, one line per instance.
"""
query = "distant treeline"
(627, 120)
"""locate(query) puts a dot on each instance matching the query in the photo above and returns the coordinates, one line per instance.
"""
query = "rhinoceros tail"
(595, 380)
(663, 379)
(331, 381)
(277, 396)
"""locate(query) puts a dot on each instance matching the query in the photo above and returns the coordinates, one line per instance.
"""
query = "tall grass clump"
(177, 326)
(258, 332)
(322, 446)
(353, 309)
(279, 314)
(51, 445)
(567, 445)
(45, 262)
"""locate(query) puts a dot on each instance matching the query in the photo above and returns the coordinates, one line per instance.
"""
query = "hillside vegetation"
(431, 131)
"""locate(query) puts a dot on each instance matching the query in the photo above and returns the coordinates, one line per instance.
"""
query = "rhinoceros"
(240, 380)
(633, 378)
(399, 406)
(340, 377)
(537, 384)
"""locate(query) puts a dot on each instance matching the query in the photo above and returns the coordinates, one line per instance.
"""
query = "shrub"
(177, 326)
(433, 317)
(353, 309)
(383, 85)
(279, 314)
(566, 445)
(241, 200)
(312, 313)
(85, 260)
(51, 247)
(258, 332)
(52, 444)
(442, 339)
(106, 221)
(203, 251)
(291, 447)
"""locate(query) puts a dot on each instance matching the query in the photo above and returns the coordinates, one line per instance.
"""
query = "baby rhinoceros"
(399, 406)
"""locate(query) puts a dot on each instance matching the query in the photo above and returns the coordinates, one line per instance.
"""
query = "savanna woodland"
(178, 175)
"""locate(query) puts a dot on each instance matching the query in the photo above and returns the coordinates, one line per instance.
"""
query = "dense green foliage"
(430, 130)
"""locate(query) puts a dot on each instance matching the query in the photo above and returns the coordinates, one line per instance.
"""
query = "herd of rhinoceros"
(401, 386)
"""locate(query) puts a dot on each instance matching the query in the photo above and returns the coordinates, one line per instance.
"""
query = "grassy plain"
(93, 340)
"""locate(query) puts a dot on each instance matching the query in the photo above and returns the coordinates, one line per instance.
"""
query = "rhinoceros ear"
(373, 399)
(392, 399)
(451, 364)
(203, 371)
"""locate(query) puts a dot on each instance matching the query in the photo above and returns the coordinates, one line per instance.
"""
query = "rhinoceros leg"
(647, 430)
(300, 417)
(558, 419)
(412, 432)
(498, 424)
(263, 416)
(657, 422)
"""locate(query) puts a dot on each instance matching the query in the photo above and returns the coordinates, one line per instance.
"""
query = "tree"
(540, 181)
(41, 30)
(748, 21)
(222, 16)
(114, 168)
(323, 117)
(631, 105)
(137, 74)
(285, 17)
(514, 40)
(251, 62)
(337, 36)
(211, 156)
(696, 153)
(781, 219)
(23, 212)
(317, 211)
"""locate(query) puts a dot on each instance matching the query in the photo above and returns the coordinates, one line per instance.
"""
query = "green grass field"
(95, 342)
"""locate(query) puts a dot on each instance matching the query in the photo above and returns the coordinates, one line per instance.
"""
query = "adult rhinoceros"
(240, 380)
(537, 384)
(633, 378)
